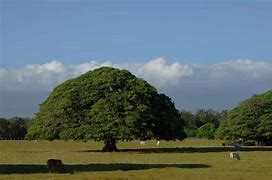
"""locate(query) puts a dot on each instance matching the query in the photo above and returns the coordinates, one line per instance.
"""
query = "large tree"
(251, 120)
(107, 104)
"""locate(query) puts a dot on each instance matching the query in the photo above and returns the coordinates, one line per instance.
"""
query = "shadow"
(70, 168)
(188, 149)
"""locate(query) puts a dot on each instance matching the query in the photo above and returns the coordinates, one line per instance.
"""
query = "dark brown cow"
(55, 165)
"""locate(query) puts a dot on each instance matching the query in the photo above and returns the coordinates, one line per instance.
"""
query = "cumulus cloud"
(161, 74)
(42, 76)
(217, 86)
(255, 70)
(46, 76)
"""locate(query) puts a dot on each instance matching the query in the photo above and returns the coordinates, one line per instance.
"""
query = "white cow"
(234, 155)
(142, 143)
(158, 143)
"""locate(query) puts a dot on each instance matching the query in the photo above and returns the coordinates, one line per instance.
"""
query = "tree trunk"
(109, 145)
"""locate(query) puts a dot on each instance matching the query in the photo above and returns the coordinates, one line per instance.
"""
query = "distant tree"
(107, 104)
(14, 128)
(4, 128)
(19, 127)
(190, 126)
(206, 131)
(251, 120)
(203, 116)
(200, 118)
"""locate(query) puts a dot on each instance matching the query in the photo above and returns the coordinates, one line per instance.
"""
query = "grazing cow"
(234, 155)
(142, 143)
(158, 143)
(55, 165)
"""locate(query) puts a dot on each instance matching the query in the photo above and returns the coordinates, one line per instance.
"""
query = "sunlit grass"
(27, 160)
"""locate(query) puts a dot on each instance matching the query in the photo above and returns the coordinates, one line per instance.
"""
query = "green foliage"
(203, 116)
(199, 118)
(251, 120)
(190, 126)
(14, 128)
(107, 103)
(206, 131)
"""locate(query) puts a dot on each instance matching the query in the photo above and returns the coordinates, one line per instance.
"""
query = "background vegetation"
(196, 123)
(14, 128)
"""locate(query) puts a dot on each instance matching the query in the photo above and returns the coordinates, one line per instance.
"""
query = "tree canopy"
(107, 104)
(193, 121)
(251, 120)
(206, 131)
(13, 128)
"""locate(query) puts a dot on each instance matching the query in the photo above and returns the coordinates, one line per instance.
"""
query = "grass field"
(189, 159)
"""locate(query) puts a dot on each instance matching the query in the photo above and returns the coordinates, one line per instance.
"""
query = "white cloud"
(161, 74)
(217, 86)
(245, 67)
(46, 76)
(42, 76)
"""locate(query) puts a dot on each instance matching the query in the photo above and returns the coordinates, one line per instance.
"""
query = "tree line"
(13, 128)
(203, 123)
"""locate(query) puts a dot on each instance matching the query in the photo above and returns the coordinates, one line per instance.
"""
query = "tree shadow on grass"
(71, 168)
(187, 149)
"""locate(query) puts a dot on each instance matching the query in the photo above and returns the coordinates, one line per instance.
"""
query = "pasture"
(189, 159)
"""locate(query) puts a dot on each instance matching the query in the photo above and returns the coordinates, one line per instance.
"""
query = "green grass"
(190, 159)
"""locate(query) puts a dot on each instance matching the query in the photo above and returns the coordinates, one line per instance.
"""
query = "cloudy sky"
(203, 54)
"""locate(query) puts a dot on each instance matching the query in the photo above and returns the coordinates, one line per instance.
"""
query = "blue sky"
(76, 31)
(201, 53)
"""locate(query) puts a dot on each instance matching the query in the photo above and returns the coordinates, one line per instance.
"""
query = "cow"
(55, 165)
(142, 143)
(158, 142)
(234, 155)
